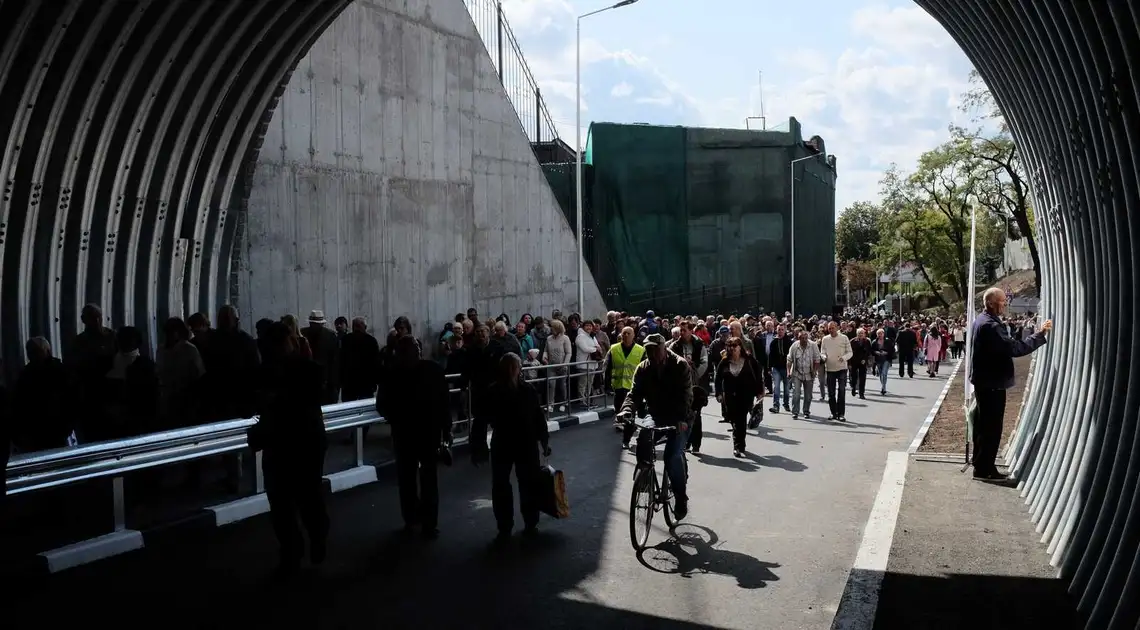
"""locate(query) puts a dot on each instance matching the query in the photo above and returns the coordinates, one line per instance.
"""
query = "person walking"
(882, 352)
(906, 346)
(738, 383)
(291, 433)
(416, 406)
(513, 410)
(991, 373)
(803, 362)
(933, 346)
(621, 362)
(861, 356)
(836, 352)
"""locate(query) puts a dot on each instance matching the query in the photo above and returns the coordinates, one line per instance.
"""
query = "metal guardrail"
(113, 459)
(507, 56)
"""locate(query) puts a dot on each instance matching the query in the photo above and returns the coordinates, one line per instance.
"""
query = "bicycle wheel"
(641, 507)
(668, 501)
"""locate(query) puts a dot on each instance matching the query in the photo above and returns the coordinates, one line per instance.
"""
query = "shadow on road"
(772, 434)
(959, 600)
(752, 461)
(375, 577)
(693, 550)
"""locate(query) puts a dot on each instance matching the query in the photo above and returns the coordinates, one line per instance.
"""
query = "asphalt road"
(767, 544)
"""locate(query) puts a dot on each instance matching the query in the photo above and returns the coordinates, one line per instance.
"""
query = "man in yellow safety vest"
(621, 361)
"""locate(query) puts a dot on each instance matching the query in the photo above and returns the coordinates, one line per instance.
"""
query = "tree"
(911, 232)
(979, 101)
(857, 231)
(1005, 187)
(859, 275)
(948, 181)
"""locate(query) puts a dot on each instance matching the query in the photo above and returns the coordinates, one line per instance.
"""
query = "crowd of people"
(510, 375)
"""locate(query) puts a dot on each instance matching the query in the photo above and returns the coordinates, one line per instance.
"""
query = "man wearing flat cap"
(663, 388)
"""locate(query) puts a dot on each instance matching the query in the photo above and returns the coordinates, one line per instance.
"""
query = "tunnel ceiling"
(1065, 75)
(131, 127)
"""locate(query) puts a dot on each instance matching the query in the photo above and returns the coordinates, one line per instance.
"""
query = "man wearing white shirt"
(836, 351)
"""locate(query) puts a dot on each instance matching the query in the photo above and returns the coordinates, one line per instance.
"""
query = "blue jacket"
(993, 352)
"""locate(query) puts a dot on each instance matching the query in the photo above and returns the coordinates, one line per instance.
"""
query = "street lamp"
(793, 214)
(578, 160)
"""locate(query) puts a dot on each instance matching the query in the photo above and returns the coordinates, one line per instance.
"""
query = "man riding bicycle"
(662, 388)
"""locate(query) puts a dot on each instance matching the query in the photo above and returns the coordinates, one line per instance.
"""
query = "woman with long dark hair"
(291, 433)
(739, 381)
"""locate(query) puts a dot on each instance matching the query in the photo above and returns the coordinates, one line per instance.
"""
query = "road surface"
(767, 544)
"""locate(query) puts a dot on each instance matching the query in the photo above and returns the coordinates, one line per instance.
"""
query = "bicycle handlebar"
(647, 423)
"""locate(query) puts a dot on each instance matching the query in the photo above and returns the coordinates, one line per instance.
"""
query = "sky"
(878, 80)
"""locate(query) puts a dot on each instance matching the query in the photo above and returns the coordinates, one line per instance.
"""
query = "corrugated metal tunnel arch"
(130, 128)
(1065, 75)
(130, 131)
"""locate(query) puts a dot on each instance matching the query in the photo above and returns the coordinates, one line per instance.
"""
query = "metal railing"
(700, 300)
(115, 459)
(514, 73)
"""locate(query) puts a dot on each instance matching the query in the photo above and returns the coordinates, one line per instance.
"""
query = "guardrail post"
(119, 506)
(358, 441)
(258, 472)
(588, 391)
(537, 114)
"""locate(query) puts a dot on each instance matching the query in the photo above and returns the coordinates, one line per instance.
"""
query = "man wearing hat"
(663, 388)
(326, 352)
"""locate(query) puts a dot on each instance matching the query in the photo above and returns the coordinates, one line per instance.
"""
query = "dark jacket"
(993, 351)
(232, 360)
(42, 407)
(906, 342)
(698, 354)
(291, 423)
(739, 391)
(480, 365)
(777, 352)
(514, 414)
(664, 392)
(860, 352)
(131, 403)
(417, 403)
(884, 351)
(326, 352)
(359, 363)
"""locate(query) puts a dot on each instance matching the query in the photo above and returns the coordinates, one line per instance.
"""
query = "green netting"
(686, 220)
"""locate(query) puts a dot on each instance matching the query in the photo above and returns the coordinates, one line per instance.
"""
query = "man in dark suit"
(991, 373)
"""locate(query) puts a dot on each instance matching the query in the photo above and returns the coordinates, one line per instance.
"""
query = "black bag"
(443, 455)
(551, 489)
(700, 399)
(756, 416)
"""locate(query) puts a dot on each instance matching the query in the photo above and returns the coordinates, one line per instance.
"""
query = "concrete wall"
(396, 179)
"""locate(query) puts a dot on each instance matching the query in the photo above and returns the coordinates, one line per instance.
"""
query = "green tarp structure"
(687, 220)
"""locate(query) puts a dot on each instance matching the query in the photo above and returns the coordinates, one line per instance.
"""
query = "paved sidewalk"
(965, 555)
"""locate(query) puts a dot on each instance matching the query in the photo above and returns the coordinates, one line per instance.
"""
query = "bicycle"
(657, 495)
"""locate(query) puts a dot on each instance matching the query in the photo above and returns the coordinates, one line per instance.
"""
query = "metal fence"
(33, 472)
(688, 301)
(518, 81)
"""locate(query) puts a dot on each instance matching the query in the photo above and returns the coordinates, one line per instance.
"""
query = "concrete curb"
(859, 603)
(204, 521)
(920, 437)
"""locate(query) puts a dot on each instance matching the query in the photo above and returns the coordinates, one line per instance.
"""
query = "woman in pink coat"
(933, 346)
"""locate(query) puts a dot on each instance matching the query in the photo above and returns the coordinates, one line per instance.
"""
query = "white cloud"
(887, 97)
(621, 90)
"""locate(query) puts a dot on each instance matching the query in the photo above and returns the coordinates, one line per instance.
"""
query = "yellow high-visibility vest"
(622, 366)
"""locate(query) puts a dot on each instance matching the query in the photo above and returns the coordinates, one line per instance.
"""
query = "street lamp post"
(578, 139)
(793, 230)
